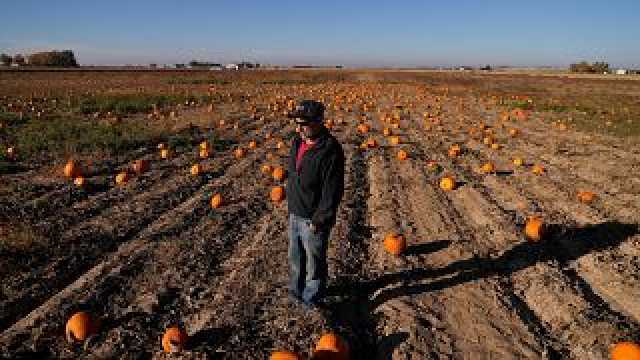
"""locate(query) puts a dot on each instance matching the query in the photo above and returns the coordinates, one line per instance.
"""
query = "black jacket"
(316, 190)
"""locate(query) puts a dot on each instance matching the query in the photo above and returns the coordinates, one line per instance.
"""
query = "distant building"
(232, 67)
(621, 72)
(216, 67)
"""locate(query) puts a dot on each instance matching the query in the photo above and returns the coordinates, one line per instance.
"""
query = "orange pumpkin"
(122, 178)
(488, 168)
(80, 326)
(371, 143)
(454, 150)
(277, 194)
(534, 229)
(266, 169)
(329, 124)
(174, 340)
(11, 152)
(402, 155)
(538, 169)
(79, 181)
(447, 183)
(331, 346)
(278, 173)
(165, 153)
(284, 355)
(395, 244)
(216, 201)
(140, 166)
(196, 169)
(363, 128)
(72, 169)
(204, 153)
(586, 196)
(625, 350)
(513, 132)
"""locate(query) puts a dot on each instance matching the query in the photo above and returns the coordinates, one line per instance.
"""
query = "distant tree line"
(64, 58)
(588, 68)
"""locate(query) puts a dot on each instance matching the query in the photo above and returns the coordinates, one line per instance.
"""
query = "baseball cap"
(308, 111)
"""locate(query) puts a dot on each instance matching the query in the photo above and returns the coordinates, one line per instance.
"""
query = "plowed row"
(153, 253)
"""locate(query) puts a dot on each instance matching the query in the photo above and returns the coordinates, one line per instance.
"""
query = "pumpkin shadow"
(562, 244)
(92, 188)
(11, 168)
(460, 183)
(427, 247)
(504, 173)
(206, 340)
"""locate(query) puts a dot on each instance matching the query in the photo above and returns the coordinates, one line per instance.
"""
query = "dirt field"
(152, 252)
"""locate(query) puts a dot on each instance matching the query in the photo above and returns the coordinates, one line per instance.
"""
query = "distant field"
(142, 248)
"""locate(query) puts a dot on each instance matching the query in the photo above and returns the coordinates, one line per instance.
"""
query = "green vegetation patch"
(64, 135)
(124, 104)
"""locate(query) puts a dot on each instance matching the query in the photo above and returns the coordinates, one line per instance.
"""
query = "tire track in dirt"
(107, 232)
(188, 211)
(560, 279)
(347, 313)
(596, 274)
(464, 318)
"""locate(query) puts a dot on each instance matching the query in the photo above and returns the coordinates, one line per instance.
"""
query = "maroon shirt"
(301, 150)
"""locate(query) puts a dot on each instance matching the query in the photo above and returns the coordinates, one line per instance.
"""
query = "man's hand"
(312, 227)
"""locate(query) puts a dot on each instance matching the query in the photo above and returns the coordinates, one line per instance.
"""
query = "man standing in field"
(314, 190)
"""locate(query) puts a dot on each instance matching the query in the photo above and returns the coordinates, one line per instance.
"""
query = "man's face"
(309, 130)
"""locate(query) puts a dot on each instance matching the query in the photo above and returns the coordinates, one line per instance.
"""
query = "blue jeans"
(307, 259)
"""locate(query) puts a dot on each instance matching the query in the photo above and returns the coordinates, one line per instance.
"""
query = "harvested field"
(152, 252)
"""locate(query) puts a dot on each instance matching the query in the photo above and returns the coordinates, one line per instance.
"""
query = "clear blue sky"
(353, 33)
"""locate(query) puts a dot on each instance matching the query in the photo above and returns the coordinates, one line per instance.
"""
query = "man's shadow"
(562, 244)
